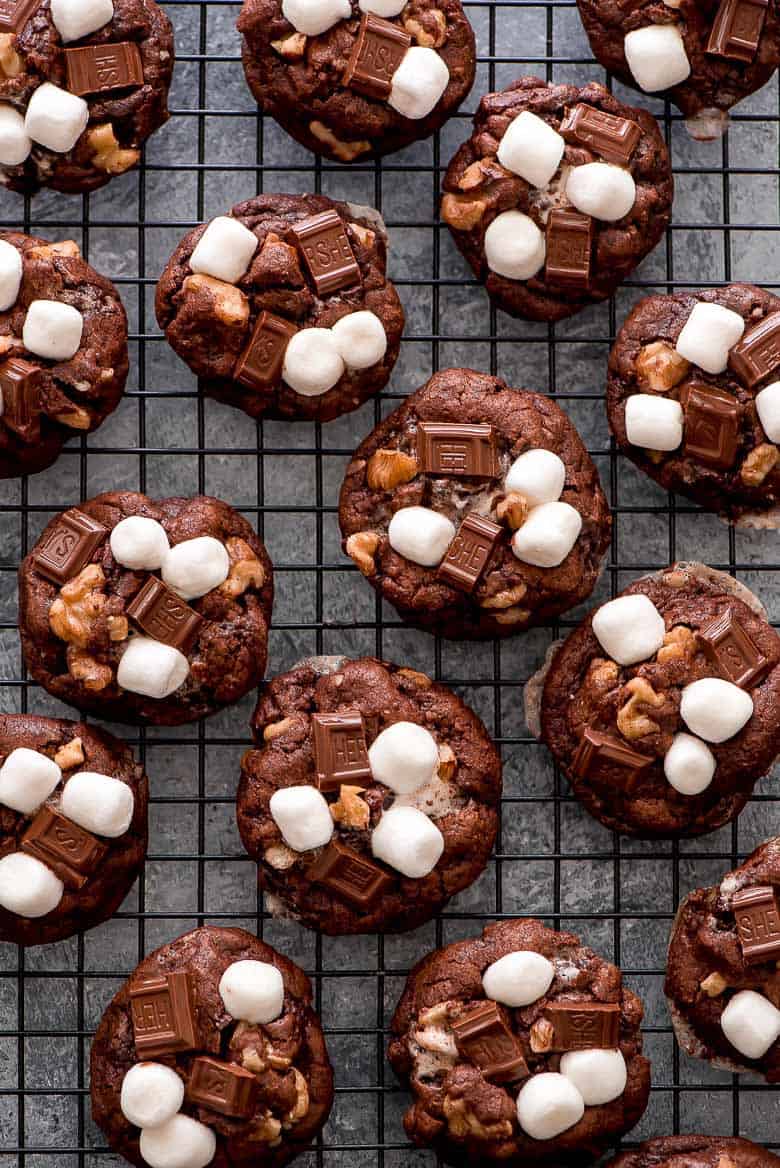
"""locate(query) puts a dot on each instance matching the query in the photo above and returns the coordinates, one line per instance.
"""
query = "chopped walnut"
(473, 176)
(361, 547)
(117, 628)
(713, 985)
(429, 30)
(291, 47)
(47, 251)
(251, 1060)
(301, 1105)
(389, 468)
(660, 367)
(345, 151)
(10, 61)
(507, 598)
(723, 1161)
(513, 509)
(349, 809)
(81, 601)
(93, 674)
(512, 616)
(228, 303)
(420, 679)
(75, 418)
(542, 1034)
(246, 571)
(758, 464)
(107, 154)
(462, 1122)
(266, 1129)
(70, 755)
(462, 212)
(447, 762)
(679, 643)
(275, 729)
(602, 675)
(363, 234)
(279, 856)
(631, 722)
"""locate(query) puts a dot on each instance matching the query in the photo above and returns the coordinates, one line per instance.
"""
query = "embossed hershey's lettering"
(470, 552)
(378, 51)
(65, 548)
(757, 917)
(327, 252)
(340, 752)
(163, 615)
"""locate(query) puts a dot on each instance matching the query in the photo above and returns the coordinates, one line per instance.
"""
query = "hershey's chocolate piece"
(223, 1087)
(260, 364)
(68, 546)
(100, 68)
(613, 137)
(605, 757)
(20, 385)
(757, 915)
(376, 54)
(711, 425)
(327, 252)
(71, 852)
(163, 1015)
(569, 246)
(484, 1036)
(582, 1025)
(469, 553)
(736, 30)
(757, 354)
(350, 875)
(453, 449)
(340, 753)
(728, 646)
(163, 615)
(14, 14)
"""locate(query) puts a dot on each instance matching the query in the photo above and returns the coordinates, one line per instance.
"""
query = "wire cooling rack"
(551, 859)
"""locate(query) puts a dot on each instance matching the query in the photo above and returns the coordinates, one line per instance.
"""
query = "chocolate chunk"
(711, 425)
(100, 68)
(340, 753)
(70, 851)
(14, 14)
(163, 1015)
(161, 614)
(736, 30)
(484, 1036)
(260, 364)
(583, 1025)
(327, 252)
(614, 138)
(732, 652)
(223, 1087)
(376, 54)
(350, 875)
(20, 385)
(757, 354)
(604, 757)
(470, 552)
(758, 923)
(569, 246)
(452, 449)
(68, 546)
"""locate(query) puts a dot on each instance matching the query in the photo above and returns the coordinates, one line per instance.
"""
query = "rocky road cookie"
(146, 610)
(73, 830)
(475, 509)
(356, 79)
(520, 1046)
(696, 1152)
(662, 706)
(372, 796)
(211, 1053)
(83, 84)
(693, 397)
(63, 349)
(556, 196)
(283, 308)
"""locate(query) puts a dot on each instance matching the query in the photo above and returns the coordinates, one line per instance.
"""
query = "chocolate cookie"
(519, 1046)
(696, 1152)
(84, 83)
(144, 610)
(723, 979)
(557, 195)
(475, 509)
(73, 829)
(662, 706)
(283, 307)
(63, 349)
(693, 398)
(211, 1053)
(356, 79)
(372, 796)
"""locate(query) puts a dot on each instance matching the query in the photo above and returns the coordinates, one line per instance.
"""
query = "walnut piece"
(473, 176)
(81, 601)
(349, 809)
(513, 509)
(507, 598)
(70, 755)
(433, 33)
(91, 673)
(117, 628)
(462, 212)
(679, 643)
(462, 1122)
(250, 1059)
(228, 303)
(713, 985)
(345, 151)
(419, 679)
(447, 762)
(266, 1129)
(107, 154)
(246, 571)
(542, 1034)
(10, 61)
(602, 675)
(291, 47)
(275, 729)
(512, 616)
(279, 856)
(301, 1105)
(758, 464)
(363, 234)
(361, 548)
(47, 251)
(660, 367)
(389, 468)
(631, 722)
(75, 418)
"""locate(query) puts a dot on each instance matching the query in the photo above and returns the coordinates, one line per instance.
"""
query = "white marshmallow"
(360, 339)
(139, 542)
(654, 422)
(180, 1143)
(52, 329)
(151, 668)
(224, 250)
(548, 535)
(539, 475)
(418, 82)
(195, 566)
(768, 407)
(27, 887)
(518, 978)
(312, 362)
(599, 1075)
(27, 778)
(547, 1105)
(74, 19)
(751, 1023)
(629, 629)
(10, 269)
(656, 57)
(100, 803)
(715, 709)
(151, 1094)
(252, 991)
(708, 334)
(383, 8)
(514, 246)
(15, 143)
(531, 148)
(599, 189)
(404, 757)
(55, 118)
(315, 16)
(420, 535)
(689, 764)
(408, 841)
(302, 816)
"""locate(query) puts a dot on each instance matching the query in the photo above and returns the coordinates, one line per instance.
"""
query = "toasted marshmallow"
(252, 991)
(715, 709)
(531, 148)
(519, 978)
(708, 334)
(404, 757)
(514, 246)
(224, 250)
(629, 629)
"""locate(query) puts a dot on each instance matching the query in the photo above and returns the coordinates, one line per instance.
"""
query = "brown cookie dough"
(466, 1083)
(300, 80)
(262, 1091)
(696, 1152)
(579, 259)
(339, 886)
(234, 335)
(81, 610)
(96, 869)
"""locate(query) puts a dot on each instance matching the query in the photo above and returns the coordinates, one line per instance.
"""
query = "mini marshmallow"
(10, 272)
(27, 778)
(180, 1143)
(656, 57)
(518, 978)
(302, 816)
(384, 8)
(52, 329)
(151, 1094)
(418, 82)
(252, 991)
(599, 189)
(313, 17)
(654, 422)
(531, 148)
(420, 535)
(751, 1023)
(548, 535)
(151, 668)
(15, 143)
(404, 757)
(100, 803)
(689, 764)
(312, 362)
(599, 1075)
(629, 629)
(224, 250)
(360, 339)
(768, 407)
(55, 118)
(514, 246)
(547, 1105)
(139, 542)
(715, 709)
(408, 841)
(74, 19)
(539, 475)
(27, 887)
(195, 566)
(708, 334)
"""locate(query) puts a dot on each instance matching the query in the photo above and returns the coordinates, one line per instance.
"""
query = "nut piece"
(602, 675)
(107, 154)
(279, 856)
(266, 1129)
(462, 1122)
(506, 599)
(75, 418)
(432, 33)
(10, 61)
(419, 679)
(346, 151)
(513, 616)
(631, 723)
(542, 1034)
(301, 1105)
(758, 464)
(70, 755)
(117, 628)
(230, 305)
(291, 47)
(679, 643)
(713, 985)
(513, 509)
(473, 176)
(389, 468)
(246, 571)
(361, 547)
(363, 234)
(48, 251)
(93, 675)
(251, 1061)
(461, 211)
(349, 809)
(74, 612)
(660, 367)
(276, 729)
(447, 762)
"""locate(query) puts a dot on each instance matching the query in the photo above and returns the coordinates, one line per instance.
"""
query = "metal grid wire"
(551, 859)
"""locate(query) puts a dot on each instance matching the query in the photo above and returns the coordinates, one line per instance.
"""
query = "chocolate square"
(732, 652)
(162, 1010)
(450, 449)
(470, 553)
(71, 852)
(260, 364)
(711, 425)
(103, 68)
(14, 14)
(736, 30)
(604, 757)
(757, 917)
(483, 1035)
(163, 615)
(340, 753)
(613, 137)
(376, 54)
(327, 252)
(756, 355)
(352, 876)
(20, 385)
(222, 1087)
(67, 547)
(584, 1025)
(569, 246)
